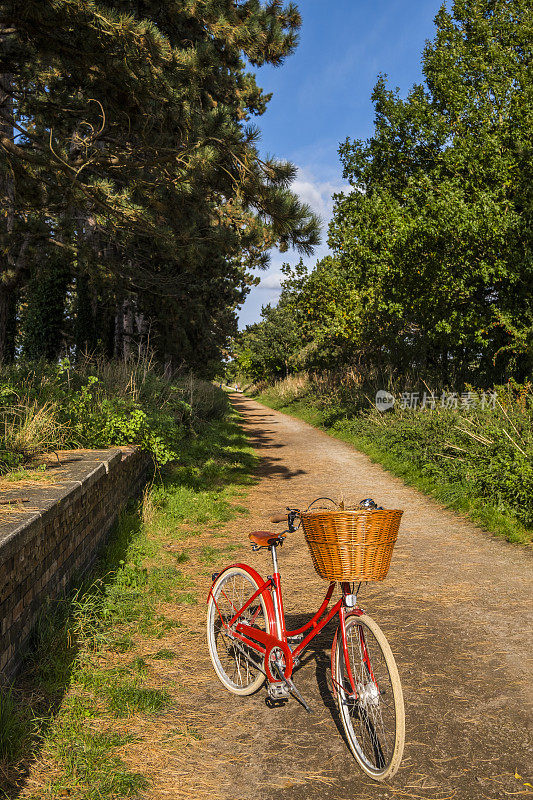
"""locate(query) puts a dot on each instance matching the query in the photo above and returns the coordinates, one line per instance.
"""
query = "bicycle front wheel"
(235, 662)
(373, 717)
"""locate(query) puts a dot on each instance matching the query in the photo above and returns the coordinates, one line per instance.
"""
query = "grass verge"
(453, 495)
(103, 686)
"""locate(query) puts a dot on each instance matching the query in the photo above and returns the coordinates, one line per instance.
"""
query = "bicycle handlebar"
(289, 517)
(295, 513)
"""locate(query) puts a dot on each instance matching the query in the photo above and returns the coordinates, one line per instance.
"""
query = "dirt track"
(457, 608)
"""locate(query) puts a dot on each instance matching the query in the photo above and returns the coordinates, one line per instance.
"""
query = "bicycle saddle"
(263, 538)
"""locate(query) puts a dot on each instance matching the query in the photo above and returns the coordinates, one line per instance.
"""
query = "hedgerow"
(468, 457)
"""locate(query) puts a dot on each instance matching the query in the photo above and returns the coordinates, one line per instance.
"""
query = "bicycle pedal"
(288, 684)
(277, 691)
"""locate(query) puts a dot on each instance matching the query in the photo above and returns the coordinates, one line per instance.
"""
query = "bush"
(484, 453)
(206, 401)
(288, 390)
(99, 404)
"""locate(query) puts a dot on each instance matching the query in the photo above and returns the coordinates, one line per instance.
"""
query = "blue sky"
(321, 95)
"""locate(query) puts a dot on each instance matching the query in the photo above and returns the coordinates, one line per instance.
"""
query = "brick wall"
(51, 534)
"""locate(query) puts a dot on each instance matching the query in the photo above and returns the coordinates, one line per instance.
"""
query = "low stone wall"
(51, 532)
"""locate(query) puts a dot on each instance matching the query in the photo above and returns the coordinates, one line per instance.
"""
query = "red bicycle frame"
(264, 643)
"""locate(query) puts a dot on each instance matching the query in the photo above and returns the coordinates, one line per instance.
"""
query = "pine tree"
(137, 117)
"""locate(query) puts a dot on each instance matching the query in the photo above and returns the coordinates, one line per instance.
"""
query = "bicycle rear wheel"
(233, 660)
(373, 717)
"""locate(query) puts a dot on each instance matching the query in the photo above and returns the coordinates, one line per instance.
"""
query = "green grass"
(14, 726)
(90, 767)
(182, 557)
(72, 682)
(38, 474)
(200, 490)
(210, 555)
(130, 699)
(165, 655)
(456, 495)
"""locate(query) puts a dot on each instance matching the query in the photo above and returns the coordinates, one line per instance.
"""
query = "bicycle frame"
(264, 643)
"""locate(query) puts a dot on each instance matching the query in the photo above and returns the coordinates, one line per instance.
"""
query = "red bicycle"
(249, 643)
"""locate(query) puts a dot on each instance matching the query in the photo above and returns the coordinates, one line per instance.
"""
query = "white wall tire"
(231, 590)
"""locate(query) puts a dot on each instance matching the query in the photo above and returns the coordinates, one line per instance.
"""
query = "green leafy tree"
(434, 242)
(270, 348)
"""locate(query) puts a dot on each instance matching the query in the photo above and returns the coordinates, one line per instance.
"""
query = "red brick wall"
(43, 551)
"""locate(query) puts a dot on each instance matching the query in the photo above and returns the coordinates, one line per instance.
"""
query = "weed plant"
(97, 403)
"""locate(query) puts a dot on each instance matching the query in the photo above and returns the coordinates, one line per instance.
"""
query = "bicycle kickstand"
(292, 688)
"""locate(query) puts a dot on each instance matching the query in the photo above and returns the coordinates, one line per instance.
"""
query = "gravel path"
(457, 608)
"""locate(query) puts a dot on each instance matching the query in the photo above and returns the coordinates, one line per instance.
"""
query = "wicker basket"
(351, 545)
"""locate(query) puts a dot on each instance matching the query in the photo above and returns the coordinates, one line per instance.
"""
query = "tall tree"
(435, 240)
(134, 119)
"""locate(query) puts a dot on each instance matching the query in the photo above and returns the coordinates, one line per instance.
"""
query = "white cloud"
(271, 281)
(318, 194)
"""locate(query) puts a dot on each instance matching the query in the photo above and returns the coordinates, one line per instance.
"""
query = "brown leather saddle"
(264, 538)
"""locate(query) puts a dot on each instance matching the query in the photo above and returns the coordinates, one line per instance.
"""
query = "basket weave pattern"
(351, 545)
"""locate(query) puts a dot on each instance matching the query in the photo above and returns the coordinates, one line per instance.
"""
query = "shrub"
(485, 454)
(99, 404)
(205, 400)
(289, 390)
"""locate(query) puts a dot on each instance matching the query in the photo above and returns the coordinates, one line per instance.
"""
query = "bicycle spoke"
(369, 714)
(229, 656)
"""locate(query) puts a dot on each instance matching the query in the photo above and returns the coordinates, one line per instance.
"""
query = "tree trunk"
(119, 332)
(127, 322)
(8, 308)
(7, 194)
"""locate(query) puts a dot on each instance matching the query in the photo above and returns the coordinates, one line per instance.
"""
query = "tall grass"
(14, 725)
(29, 429)
(478, 460)
(288, 390)
(98, 403)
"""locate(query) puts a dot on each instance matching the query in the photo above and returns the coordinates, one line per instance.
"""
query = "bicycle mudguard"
(267, 597)
(356, 612)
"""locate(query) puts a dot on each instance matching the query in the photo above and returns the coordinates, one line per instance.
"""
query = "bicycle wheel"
(233, 660)
(373, 720)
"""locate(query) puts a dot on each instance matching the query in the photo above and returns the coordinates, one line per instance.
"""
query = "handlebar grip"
(278, 518)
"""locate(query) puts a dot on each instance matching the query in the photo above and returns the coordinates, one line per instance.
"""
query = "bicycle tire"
(374, 721)
(231, 590)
